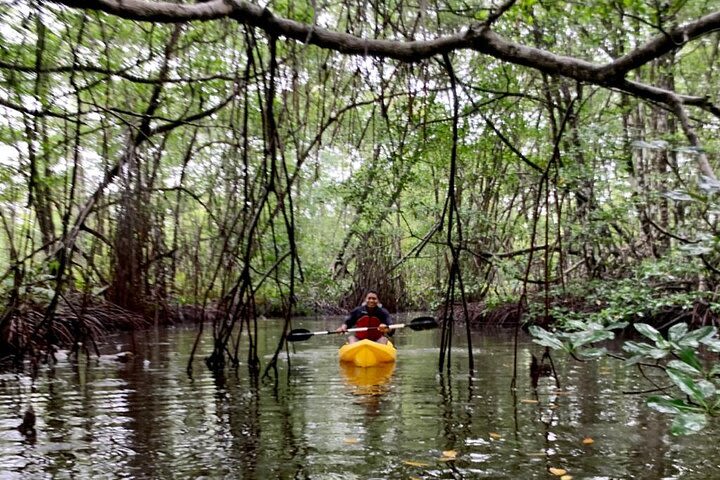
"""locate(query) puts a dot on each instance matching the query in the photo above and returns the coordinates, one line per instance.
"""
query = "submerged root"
(78, 324)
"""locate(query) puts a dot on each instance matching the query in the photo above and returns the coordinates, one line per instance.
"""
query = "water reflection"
(147, 419)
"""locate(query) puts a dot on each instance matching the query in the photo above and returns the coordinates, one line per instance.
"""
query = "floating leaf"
(413, 463)
(588, 441)
(495, 435)
(557, 471)
(449, 453)
(529, 400)
(566, 477)
(351, 441)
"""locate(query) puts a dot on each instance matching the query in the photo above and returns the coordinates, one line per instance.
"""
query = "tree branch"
(477, 37)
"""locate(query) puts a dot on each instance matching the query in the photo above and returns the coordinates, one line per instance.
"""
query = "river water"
(147, 418)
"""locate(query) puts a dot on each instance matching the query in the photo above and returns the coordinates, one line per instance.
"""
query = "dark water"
(147, 419)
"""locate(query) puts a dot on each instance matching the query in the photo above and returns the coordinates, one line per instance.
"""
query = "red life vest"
(368, 321)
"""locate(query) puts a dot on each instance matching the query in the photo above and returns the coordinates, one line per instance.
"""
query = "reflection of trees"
(457, 423)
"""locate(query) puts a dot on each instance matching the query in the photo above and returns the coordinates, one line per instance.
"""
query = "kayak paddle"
(420, 323)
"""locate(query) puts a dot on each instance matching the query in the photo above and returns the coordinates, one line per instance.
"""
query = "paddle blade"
(298, 335)
(423, 323)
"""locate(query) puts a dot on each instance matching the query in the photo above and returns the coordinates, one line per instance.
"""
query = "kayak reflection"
(368, 380)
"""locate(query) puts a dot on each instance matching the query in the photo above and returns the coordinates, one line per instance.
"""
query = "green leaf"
(694, 338)
(688, 356)
(593, 352)
(677, 331)
(695, 390)
(667, 404)
(683, 367)
(649, 332)
(634, 359)
(590, 336)
(715, 370)
(687, 423)
(617, 326)
(707, 388)
(664, 404)
(713, 344)
(545, 338)
(644, 350)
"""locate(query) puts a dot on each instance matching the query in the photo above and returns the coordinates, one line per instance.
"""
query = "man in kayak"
(369, 314)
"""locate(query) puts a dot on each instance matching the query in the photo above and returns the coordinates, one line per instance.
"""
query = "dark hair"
(372, 291)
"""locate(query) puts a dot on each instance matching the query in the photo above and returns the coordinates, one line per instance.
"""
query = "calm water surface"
(147, 419)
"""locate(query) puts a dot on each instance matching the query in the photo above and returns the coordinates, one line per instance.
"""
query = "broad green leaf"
(688, 356)
(649, 331)
(593, 352)
(677, 331)
(617, 326)
(684, 367)
(713, 344)
(583, 338)
(634, 359)
(688, 385)
(693, 338)
(707, 388)
(545, 338)
(663, 404)
(687, 423)
(637, 348)
(666, 404)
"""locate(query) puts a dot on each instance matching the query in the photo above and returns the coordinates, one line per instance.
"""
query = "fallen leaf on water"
(557, 471)
(566, 477)
(529, 400)
(415, 464)
(449, 453)
(351, 441)
(588, 441)
(495, 435)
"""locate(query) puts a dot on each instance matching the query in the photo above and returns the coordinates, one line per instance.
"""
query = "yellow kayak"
(366, 353)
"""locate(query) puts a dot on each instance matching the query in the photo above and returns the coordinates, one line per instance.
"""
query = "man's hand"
(383, 328)
(342, 328)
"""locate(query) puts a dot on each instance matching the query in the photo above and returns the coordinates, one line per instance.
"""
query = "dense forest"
(224, 160)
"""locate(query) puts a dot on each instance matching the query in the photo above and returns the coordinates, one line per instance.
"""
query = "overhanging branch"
(478, 37)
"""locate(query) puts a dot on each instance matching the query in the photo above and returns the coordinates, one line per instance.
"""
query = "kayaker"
(369, 314)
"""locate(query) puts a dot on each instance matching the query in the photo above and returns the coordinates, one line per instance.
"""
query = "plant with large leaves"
(697, 397)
